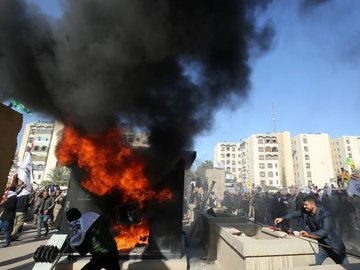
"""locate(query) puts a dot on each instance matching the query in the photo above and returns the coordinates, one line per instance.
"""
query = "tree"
(201, 169)
(59, 175)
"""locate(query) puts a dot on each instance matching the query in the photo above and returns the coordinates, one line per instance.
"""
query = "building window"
(262, 174)
(233, 162)
(222, 148)
(260, 141)
(261, 165)
(36, 148)
(307, 157)
(349, 148)
(347, 141)
(308, 174)
(305, 140)
(269, 165)
(233, 169)
(262, 182)
(223, 161)
(307, 165)
(271, 182)
(261, 149)
(277, 174)
(350, 155)
(274, 149)
(270, 174)
(228, 162)
(43, 148)
(306, 149)
(261, 157)
(39, 176)
(227, 148)
(222, 155)
(276, 165)
(233, 155)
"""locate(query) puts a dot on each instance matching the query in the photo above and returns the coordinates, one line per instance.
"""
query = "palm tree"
(59, 175)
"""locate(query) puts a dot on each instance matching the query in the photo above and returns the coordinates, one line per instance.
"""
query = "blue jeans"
(327, 252)
(6, 225)
(42, 220)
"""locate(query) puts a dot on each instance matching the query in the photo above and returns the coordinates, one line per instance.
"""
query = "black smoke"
(108, 61)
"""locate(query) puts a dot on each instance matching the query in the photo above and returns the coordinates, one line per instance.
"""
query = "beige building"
(269, 159)
(44, 135)
(343, 147)
(312, 158)
(263, 159)
(229, 154)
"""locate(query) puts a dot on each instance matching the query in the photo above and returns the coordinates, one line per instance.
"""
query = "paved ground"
(19, 254)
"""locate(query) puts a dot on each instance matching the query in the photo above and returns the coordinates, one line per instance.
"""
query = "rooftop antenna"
(273, 117)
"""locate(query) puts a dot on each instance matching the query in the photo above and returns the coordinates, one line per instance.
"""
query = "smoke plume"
(163, 65)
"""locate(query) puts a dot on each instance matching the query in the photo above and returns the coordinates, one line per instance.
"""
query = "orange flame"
(110, 165)
(127, 237)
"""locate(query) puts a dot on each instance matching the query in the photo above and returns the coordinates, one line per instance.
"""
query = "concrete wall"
(10, 123)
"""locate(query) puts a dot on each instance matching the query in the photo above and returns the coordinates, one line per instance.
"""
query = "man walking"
(44, 210)
(319, 227)
(8, 214)
(22, 206)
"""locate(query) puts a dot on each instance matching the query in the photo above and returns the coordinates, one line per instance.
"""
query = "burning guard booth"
(164, 218)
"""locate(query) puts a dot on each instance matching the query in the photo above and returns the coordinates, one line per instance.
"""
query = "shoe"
(46, 233)
(6, 245)
(37, 237)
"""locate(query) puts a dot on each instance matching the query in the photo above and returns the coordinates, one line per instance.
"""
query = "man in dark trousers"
(7, 215)
(44, 210)
(319, 227)
(91, 234)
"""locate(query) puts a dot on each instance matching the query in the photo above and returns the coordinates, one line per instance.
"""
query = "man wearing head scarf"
(91, 234)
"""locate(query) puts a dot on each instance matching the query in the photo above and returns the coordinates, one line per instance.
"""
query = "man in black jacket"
(23, 197)
(91, 234)
(319, 227)
(44, 209)
(8, 214)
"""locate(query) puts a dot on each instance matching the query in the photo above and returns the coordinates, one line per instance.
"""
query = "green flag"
(19, 106)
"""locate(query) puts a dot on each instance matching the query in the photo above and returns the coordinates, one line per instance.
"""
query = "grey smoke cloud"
(110, 60)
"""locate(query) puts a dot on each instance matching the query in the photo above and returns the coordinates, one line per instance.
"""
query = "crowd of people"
(263, 206)
(40, 207)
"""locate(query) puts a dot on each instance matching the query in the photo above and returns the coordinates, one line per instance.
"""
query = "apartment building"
(312, 157)
(276, 159)
(44, 135)
(343, 147)
(229, 154)
(259, 159)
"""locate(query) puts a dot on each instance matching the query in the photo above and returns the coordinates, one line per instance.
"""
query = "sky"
(310, 74)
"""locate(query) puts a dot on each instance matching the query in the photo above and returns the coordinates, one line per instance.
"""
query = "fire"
(111, 166)
(128, 237)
